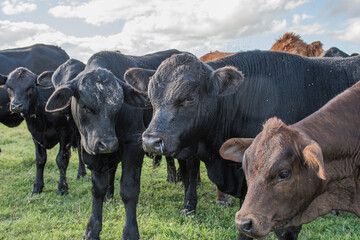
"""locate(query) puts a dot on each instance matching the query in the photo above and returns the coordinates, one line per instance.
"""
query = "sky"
(139, 27)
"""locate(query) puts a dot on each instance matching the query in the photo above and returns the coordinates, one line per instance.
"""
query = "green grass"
(49, 216)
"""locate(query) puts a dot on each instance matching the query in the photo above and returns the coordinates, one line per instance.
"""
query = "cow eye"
(85, 108)
(284, 174)
(189, 100)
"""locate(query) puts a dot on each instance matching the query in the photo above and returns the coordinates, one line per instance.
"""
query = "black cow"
(37, 58)
(28, 94)
(197, 106)
(110, 128)
(335, 52)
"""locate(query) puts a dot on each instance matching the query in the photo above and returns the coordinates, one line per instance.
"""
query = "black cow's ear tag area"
(60, 99)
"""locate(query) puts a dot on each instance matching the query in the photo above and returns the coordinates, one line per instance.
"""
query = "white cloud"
(309, 29)
(12, 7)
(297, 18)
(350, 33)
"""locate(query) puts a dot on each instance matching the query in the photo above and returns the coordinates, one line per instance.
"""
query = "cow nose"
(108, 145)
(17, 107)
(153, 144)
(245, 226)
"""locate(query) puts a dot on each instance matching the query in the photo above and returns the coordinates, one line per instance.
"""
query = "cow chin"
(253, 226)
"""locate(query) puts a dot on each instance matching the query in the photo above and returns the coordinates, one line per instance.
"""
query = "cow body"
(305, 170)
(37, 58)
(110, 128)
(197, 106)
(211, 56)
(28, 99)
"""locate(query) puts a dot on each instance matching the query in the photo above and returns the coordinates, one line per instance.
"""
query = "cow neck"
(34, 104)
(336, 129)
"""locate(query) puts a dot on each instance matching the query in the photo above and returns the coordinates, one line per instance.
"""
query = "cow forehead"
(267, 150)
(21, 78)
(97, 88)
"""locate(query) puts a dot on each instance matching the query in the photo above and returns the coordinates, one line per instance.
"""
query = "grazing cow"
(292, 43)
(102, 106)
(335, 52)
(211, 56)
(298, 172)
(37, 58)
(197, 106)
(28, 94)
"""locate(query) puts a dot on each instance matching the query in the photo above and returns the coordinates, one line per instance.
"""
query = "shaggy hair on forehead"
(273, 125)
(99, 74)
(174, 65)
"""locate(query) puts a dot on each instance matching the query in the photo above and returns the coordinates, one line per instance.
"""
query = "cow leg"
(132, 160)
(62, 161)
(171, 169)
(198, 181)
(81, 169)
(111, 180)
(40, 165)
(222, 199)
(99, 186)
(290, 233)
(189, 169)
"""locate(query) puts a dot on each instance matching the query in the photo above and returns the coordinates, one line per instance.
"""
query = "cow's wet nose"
(153, 144)
(107, 145)
(17, 107)
(245, 226)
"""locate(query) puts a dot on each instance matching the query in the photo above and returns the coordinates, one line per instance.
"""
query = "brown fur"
(292, 43)
(211, 56)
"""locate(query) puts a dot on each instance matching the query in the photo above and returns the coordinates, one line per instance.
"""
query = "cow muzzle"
(251, 226)
(153, 145)
(106, 145)
(17, 107)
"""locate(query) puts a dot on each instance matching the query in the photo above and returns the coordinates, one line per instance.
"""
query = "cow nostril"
(159, 145)
(101, 146)
(246, 225)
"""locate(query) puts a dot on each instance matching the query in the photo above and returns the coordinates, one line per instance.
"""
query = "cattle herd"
(278, 129)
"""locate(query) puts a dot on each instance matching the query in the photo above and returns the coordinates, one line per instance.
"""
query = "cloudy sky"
(143, 26)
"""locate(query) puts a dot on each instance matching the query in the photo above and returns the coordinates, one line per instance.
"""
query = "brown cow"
(299, 172)
(214, 56)
(292, 43)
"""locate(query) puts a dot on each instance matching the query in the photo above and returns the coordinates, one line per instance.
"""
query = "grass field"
(49, 216)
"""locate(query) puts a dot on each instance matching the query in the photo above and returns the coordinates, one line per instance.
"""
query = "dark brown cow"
(299, 172)
(211, 56)
(292, 43)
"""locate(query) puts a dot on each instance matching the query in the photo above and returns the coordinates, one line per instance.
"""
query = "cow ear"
(44, 79)
(314, 159)
(227, 80)
(234, 148)
(139, 78)
(60, 98)
(134, 97)
(3, 79)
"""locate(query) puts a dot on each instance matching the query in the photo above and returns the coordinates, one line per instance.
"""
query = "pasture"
(49, 216)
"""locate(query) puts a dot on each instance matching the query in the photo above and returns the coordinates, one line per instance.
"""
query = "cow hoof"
(187, 212)
(63, 189)
(224, 203)
(81, 175)
(88, 237)
(37, 189)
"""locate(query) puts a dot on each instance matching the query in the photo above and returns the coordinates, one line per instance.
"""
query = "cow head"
(284, 170)
(184, 94)
(22, 89)
(96, 97)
